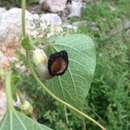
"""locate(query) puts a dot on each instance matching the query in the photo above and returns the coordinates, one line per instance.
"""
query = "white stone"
(2, 11)
(54, 5)
(51, 19)
(75, 8)
(11, 25)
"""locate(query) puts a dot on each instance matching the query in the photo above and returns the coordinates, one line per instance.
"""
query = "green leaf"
(14, 120)
(74, 85)
(17, 121)
(26, 44)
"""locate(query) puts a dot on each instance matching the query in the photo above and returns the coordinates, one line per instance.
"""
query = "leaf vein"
(4, 121)
(21, 122)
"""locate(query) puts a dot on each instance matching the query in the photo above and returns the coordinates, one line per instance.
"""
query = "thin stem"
(60, 100)
(83, 124)
(23, 18)
(66, 115)
(9, 92)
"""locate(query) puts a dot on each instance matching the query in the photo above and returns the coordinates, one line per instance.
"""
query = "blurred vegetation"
(109, 97)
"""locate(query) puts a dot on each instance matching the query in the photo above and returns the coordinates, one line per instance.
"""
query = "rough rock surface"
(75, 8)
(53, 5)
(10, 25)
(50, 19)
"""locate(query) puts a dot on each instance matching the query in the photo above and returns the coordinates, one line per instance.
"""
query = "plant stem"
(9, 92)
(83, 124)
(58, 99)
(66, 115)
(23, 18)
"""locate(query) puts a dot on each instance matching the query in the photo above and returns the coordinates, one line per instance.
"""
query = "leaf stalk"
(9, 92)
(23, 18)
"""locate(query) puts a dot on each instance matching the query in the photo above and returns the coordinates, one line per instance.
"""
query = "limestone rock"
(75, 8)
(50, 19)
(2, 11)
(10, 25)
(53, 5)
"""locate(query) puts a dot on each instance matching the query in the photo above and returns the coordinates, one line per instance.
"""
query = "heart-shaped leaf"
(17, 121)
(74, 85)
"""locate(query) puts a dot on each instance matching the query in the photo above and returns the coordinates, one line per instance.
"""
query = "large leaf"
(17, 121)
(74, 85)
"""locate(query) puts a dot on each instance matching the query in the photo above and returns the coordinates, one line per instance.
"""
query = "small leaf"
(17, 121)
(74, 85)
(25, 42)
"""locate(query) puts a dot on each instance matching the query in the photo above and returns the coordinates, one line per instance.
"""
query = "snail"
(54, 65)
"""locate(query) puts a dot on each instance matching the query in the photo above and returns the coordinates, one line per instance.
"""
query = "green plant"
(109, 94)
(70, 89)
